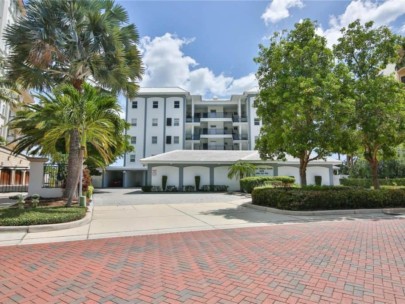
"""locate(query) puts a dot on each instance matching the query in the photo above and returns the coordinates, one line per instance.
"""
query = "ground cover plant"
(40, 215)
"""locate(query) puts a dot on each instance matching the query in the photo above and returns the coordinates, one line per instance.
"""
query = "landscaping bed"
(328, 198)
(40, 215)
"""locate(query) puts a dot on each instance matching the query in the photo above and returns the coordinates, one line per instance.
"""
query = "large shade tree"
(74, 41)
(379, 114)
(301, 100)
(91, 116)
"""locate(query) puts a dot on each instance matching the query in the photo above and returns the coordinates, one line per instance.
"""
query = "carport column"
(211, 175)
(124, 179)
(181, 177)
(149, 176)
(331, 175)
(275, 170)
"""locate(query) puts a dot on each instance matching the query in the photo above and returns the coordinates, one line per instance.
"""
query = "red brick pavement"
(329, 262)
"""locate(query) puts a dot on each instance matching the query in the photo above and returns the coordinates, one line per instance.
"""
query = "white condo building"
(181, 135)
(167, 119)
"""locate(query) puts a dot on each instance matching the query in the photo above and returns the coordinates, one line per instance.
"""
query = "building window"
(168, 121)
(176, 139)
(154, 122)
(177, 104)
(134, 105)
(155, 104)
(177, 122)
(154, 139)
(168, 140)
(257, 122)
(134, 122)
(133, 139)
(132, 158)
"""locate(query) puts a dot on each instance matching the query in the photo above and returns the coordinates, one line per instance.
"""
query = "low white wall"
(172, 174)
(97, 181)
(221, 178)
(189, 174)
(290, 171)
(320, 171)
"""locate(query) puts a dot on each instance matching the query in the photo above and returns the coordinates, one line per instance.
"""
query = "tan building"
(14, 171)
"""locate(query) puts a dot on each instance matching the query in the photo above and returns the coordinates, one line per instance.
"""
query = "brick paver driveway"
(358, 261)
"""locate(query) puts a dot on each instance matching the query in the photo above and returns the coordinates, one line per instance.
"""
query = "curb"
(50, 227)
(391, 211)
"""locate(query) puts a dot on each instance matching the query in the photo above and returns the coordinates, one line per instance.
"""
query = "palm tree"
(241, 169)
(72, 41)
(92, 116)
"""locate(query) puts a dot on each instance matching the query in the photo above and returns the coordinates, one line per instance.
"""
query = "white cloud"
(279, 9)
(382, 13)
(167, 66)
(402, 29)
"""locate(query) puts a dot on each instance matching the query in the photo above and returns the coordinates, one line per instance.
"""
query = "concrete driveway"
(129, 212)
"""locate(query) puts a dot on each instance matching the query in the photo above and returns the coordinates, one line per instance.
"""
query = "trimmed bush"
(40, 215)
(197, 180)
(345, 198)
(164, 182)
(318, 180)
(188, 188)
(367, 183)
(247, 184)
(146, 188)
(214, 188)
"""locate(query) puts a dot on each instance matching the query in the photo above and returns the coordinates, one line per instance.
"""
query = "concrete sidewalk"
(142, 219)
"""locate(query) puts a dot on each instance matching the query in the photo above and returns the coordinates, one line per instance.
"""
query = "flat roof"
(161, 90)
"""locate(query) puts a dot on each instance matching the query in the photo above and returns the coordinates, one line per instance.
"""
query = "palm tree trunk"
(74, 167)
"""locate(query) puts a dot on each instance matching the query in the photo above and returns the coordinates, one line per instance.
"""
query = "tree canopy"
(302, 97)
(379, 113)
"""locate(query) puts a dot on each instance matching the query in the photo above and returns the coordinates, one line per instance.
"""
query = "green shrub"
(328, 199)
(21, 201)
(146, 188)
(188, 188)
(249, 183)
(197, 180)
(40, 215)
(35, 200)
(367, 183)
(318, 180)
(164, 182)
(89, 192)
(214, 188)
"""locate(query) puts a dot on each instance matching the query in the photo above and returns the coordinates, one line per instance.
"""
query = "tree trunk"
(303, 172)
(74, 166)
(374, 173)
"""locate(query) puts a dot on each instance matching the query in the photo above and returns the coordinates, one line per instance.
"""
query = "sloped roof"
(162, 90)
(221, 157)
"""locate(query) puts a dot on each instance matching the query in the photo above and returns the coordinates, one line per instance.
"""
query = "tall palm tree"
(92, 116)
(73, 41)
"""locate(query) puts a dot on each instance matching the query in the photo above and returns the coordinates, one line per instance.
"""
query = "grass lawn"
(40, 215)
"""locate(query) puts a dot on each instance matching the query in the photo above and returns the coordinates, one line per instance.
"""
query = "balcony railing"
(215, 132)
(217, 115)
(193, 136)
(236, 118)
(240, 137)
(215, 147)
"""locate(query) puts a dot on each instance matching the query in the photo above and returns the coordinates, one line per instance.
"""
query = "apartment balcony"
(215, 147)
(190, 119)
(240, 136)
(193, 136)
(216, 133)
(236, 118)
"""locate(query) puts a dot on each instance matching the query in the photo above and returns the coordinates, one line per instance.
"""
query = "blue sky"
(207, 47)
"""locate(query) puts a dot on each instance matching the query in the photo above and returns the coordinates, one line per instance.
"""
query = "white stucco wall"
(190, 172)
(290, 171)
(97, 180)
(321, 171)
(36, 180)
(173, 113)
(221, 178)
(172, 174)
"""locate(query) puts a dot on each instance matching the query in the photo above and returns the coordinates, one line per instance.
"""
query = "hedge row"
(247, 184)
(367, 183)
(328, 199)
(187, 188)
